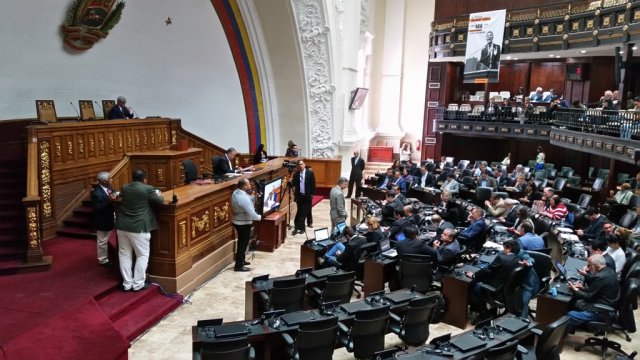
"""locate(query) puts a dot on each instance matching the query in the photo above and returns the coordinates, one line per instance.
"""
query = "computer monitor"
(400, 236)
(271, 196)
(339, 228)
(385, 245)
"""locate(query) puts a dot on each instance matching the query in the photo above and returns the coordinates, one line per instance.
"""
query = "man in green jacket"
(134, 221)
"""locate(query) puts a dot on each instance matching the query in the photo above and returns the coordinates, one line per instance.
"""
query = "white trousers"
(102, 238)
(128, 243)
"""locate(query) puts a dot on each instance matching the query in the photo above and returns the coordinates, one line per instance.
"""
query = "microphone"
(174, 197)
(101, 109)
(74, 109)
(134, 113)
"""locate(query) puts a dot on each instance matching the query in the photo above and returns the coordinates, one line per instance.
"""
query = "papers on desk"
(232, 174)
(564, 230)
(202, 182)
(568, 237)
(492, 245)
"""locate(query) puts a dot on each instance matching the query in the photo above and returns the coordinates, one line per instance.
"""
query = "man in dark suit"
(357, 167)
(426, 178)
(304, 184)
(412, 244)
(600, 287)
(440, 224)
(495, 274)
(635, 182)
(134, 222)
(511, 214)
(350, 257)
(473, 236)
(120, 110)
(594, 230)
(224, 164)
(447, 248)
(102, 198)
(490, 54)
(399, 224)
(388, 211)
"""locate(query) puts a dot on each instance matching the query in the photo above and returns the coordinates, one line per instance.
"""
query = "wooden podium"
(271, 231)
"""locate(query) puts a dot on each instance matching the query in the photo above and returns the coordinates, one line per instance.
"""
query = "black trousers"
(303, 214)
(244, 232)
(358, 183)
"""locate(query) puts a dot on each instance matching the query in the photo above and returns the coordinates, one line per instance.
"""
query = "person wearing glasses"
(600, 286)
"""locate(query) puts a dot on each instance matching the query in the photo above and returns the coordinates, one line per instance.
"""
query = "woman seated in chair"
(374, 233)
(531, 194)
(556, 209)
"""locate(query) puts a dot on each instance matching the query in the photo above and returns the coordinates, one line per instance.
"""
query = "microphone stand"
(289, 185)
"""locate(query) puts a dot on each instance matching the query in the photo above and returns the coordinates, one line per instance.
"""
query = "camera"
(290, 165)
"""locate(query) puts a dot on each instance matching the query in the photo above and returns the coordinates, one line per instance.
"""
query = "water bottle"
(554, 291)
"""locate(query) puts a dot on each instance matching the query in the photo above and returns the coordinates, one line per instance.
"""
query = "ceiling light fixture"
(583, 51)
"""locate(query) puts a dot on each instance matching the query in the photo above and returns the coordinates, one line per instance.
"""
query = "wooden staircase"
(79, 224)
(13, 227)
(371, 168)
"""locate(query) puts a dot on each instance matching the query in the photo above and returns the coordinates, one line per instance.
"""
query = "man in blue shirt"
(530, 241)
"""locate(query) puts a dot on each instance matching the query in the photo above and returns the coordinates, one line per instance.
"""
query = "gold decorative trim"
(575, 26)
(33, 227)
(182, 225)
(559, 28)
(137, 140)
(81, 146)
(58, 150)
(201, 224)
(70, 147)
(112, 143)
(101, 143)
(589, 24)
(220, 214)
(159, 175)
(174, 135)
(92, 146)
(120, 142)
(45, 179)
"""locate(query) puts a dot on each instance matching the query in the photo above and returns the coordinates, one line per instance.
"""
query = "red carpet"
(76, 310)
(316, 199)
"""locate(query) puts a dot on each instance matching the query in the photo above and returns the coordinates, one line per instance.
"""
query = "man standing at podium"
(304, 184)
(120, 110)
(490, 55)
(357, 167)
(244, 214)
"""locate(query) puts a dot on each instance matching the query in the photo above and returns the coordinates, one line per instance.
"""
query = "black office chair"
(338, 287)
(549, 340)
(627, 219)
(542, 266)
(507, 351)
(506, 296)
(631, 257)
(558, 184)
(634, 202)
(227, 349)
(574, 181)
(540, 175)
(314, 340)
(442, 269)
(483, 193)
(413, 326)
(287, 295)
(366, 335)
(623, 321)
(616, 211)
(415, 270)
(190, 171)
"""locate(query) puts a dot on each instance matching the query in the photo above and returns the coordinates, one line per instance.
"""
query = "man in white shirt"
(616, 252)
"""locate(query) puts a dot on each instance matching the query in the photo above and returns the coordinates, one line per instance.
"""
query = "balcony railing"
(622, 124)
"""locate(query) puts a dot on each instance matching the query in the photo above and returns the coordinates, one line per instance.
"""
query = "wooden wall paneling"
(548, 75)
(455, 8)
(602, 77)
(326, 171)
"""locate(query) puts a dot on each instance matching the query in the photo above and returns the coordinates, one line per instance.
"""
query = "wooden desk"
(380, 154)
(378, 272)
(550, 309)
(271, 231)
(429, 197)
(195, 238)
(164, 167)
(374, 194)
(356, 207)
(309, 252)
(456, 293)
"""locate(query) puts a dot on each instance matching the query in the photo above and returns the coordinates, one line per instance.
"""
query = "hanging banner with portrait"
(484, 45)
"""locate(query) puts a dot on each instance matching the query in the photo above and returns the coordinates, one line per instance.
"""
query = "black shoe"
(242, 269)
(247, 263)
(294, 232)
(107, 264)
(310, 226)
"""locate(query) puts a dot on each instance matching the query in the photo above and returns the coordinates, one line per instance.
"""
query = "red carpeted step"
(116, 302)
(79, 233)
(78, 222)
(316, 199)
(145, 315)
(83, 211)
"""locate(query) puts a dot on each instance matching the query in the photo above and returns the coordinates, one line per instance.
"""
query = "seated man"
(412, 243)
(623, 196)
(511, 213)
(399, 181)
(426, 179)
(487, 181)
(495, 206)
(616, 252)
(388, 211)
(594, 229)
(387, 180)
(451, 185)
(224, 164)
(347, 255)
(441, 225)
(495, 275)
(530, 241)
(412, 217)
(600, 287)
(600, 247)
(400, 222)
(447, 248)
(473, 236)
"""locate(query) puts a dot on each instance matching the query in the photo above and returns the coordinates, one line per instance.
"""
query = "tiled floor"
(223, 297)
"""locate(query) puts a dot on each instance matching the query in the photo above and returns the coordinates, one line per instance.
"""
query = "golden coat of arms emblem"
(89, 21)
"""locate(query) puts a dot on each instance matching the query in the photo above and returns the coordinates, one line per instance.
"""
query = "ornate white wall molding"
(313, 33)
(364, 16)
(267, 81)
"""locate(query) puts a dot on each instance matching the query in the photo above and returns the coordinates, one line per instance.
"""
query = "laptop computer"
(399, 297)
(230, 330)
(512, 325)
(386, 250)
(339, 228)
(467, 342)
(322, 236)
(298, 317)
